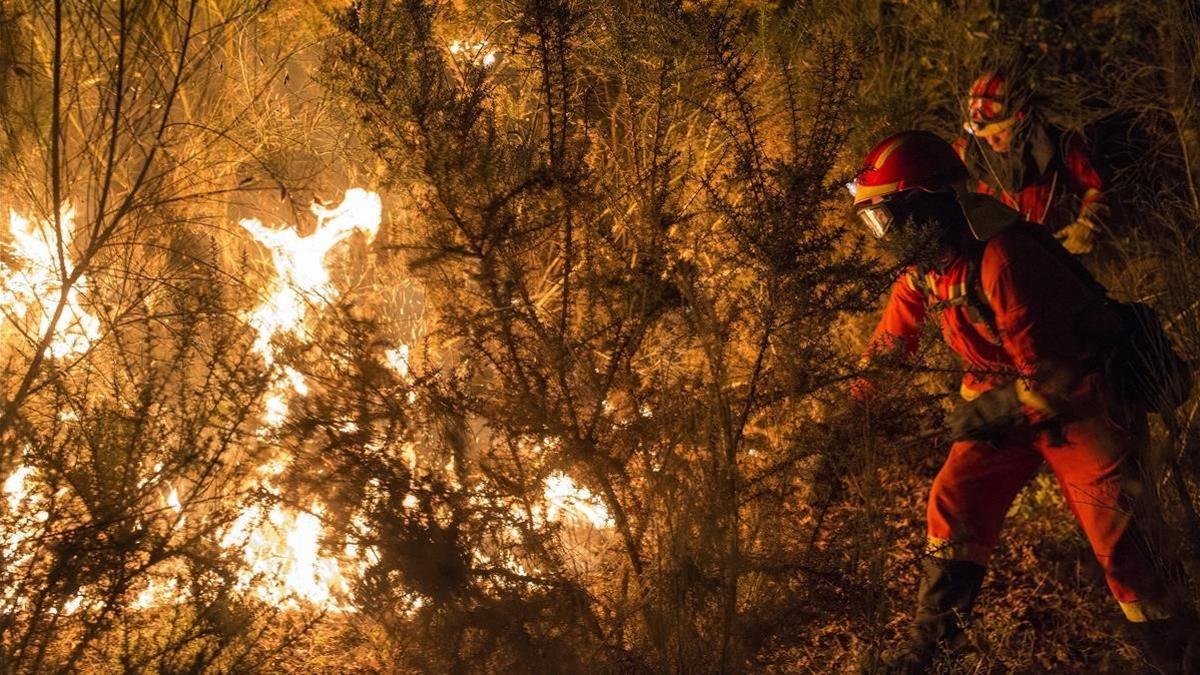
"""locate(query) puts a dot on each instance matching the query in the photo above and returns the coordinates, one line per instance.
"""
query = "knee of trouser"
(952, 534)
(1096, 453)
(949, 532)
(1098, 485)
(943, 511)
(946, 495)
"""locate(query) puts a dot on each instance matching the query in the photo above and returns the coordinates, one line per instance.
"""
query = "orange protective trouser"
(977, 485)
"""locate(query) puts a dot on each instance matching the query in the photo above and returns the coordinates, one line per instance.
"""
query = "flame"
(475, 51)
(302, 280)
(282, 559)
(20, 528)
(569, 503)
(397, 360)
(280, 553)
(38, 280)
(278, 548)
(155, 592)
(173, 501)
(176, 505)
(15, 489)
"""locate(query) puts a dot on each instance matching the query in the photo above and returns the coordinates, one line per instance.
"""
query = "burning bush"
(517, 344)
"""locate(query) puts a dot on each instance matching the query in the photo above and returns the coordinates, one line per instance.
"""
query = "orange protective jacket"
(1047, 319)
(1057, 166)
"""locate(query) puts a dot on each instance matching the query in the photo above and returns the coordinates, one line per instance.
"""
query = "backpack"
(1143, 367)
(1139, 363)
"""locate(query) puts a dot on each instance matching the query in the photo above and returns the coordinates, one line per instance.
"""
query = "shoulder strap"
(969, 295)
(920, 283)
(978, 305)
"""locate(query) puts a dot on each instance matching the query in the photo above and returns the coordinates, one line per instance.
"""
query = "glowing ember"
(569, 503)
(37, 281)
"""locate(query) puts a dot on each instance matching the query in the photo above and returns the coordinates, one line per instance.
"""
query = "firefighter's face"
(1001, 141)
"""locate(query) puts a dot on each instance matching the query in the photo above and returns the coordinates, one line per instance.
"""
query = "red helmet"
(909, 160)
(992, 105)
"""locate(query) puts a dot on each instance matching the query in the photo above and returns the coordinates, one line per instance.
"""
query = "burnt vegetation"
(574, 395)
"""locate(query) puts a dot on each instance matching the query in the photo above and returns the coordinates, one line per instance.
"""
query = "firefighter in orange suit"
(1037, 169)
(1026, 320)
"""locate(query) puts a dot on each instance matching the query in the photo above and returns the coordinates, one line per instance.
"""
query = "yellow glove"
(1079, 237)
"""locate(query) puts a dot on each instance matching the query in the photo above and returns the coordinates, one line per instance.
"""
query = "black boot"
(948, 590)
(1170, 644)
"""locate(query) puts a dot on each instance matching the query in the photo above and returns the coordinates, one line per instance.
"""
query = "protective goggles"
(877, 217)
(985, 128)
(884, 214)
